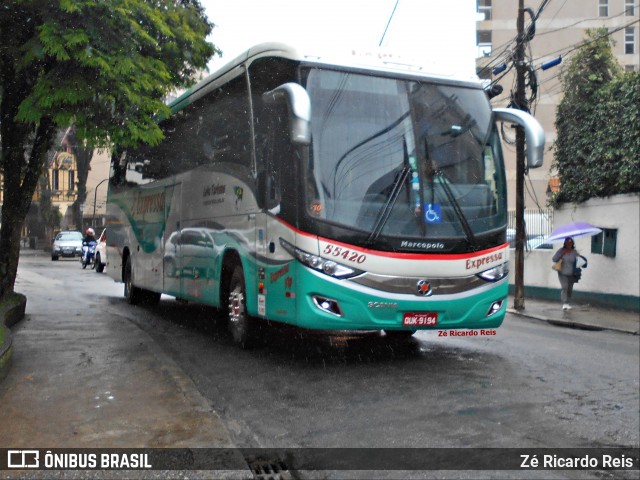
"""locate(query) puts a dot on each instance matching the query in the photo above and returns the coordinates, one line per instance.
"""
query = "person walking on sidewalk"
(569, 256)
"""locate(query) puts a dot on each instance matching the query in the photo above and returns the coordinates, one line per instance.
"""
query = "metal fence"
(538, 226)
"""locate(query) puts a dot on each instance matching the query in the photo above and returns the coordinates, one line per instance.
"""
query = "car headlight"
(328, 267)
(496, 273)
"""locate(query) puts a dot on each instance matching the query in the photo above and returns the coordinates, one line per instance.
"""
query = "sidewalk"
(580, 316)
(82, 378)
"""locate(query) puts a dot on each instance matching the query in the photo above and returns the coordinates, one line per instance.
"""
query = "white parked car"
(101, 251)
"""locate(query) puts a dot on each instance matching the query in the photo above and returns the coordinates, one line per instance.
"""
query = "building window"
(72, 180)
(484, 7)
(630, 8)
(603, 8)
(605, 242)
(55, 185)
(629, 40)
(483, 40)
(629, 68)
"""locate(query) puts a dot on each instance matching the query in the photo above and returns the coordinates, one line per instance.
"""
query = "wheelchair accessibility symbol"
(432, 213)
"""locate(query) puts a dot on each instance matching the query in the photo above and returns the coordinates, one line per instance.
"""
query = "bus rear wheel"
(241, 325)
(132, 293)
(136, 295)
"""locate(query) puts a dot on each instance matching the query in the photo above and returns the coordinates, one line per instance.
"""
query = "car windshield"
(402, 158)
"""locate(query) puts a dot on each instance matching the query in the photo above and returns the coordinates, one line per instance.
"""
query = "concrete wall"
(607, 281)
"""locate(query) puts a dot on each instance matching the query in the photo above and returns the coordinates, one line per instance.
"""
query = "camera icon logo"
(23, 459)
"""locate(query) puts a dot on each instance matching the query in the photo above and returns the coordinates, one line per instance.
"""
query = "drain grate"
(269, 470)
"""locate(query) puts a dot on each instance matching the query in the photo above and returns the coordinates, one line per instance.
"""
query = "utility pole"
(520, 101)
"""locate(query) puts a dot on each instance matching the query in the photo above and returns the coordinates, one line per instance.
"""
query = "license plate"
(424, 319)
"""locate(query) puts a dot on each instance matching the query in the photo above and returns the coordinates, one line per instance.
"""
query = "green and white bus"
(331, 195)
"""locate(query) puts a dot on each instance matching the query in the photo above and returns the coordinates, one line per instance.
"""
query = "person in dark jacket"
(90, 236)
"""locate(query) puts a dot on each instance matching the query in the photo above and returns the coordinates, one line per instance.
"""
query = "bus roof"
(382, 62)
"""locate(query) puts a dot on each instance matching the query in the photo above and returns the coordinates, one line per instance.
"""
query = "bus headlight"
(328, 267)
(496, 273)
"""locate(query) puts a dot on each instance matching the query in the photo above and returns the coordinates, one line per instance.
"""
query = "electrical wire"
(564, 52)
(389, 22)
(555, 15)
(546, 32)
(587, 42)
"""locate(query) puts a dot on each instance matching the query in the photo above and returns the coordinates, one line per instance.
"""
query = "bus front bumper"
(343, 305)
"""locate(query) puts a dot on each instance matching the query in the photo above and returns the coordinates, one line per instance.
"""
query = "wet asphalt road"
(530, 385)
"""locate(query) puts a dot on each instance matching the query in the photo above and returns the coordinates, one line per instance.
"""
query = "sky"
(421, 31)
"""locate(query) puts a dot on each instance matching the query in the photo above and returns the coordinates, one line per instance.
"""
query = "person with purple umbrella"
(569, 256)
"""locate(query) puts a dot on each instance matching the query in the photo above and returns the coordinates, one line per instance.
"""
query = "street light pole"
(95, 194)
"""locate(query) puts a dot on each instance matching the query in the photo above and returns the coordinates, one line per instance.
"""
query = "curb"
(10, 313)
(571, 323)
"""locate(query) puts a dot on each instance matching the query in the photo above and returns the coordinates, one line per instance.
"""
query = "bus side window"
(223, 126)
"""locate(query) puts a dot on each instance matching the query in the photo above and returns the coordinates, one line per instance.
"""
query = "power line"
(564, 52)
(556, 14)
(389, 22)
(587, 42)
(508, 45)
(582, 21)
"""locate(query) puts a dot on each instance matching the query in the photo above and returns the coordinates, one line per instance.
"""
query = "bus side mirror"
(299, 105)
(533, 132)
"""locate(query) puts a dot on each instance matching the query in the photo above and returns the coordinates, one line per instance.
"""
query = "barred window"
(630, 40)
(603, 8)
(484, 7)
(630, 8)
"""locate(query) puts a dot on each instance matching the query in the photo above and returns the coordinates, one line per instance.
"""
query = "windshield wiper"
(392, 197)
(471, 238)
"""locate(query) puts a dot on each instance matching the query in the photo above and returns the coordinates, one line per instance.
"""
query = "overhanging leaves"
(597, 151)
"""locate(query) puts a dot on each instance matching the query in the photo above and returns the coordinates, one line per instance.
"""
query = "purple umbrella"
(575, 229)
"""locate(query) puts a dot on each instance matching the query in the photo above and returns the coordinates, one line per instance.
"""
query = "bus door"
(276, 269)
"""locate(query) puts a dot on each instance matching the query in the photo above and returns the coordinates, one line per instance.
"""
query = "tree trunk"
(20, 182)
(83, 160)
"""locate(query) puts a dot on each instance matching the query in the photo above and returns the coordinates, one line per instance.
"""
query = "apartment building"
(559, 31)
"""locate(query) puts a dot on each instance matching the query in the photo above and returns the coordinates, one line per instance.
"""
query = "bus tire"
(133, 294)
(150, 298)
(241, 326)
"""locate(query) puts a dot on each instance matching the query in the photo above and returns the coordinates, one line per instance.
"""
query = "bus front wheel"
(241, 325)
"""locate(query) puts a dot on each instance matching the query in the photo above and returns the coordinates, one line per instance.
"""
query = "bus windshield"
(399, 159)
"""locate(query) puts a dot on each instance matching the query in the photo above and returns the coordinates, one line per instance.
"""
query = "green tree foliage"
(597, 151)
(103, 66)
